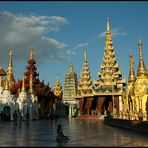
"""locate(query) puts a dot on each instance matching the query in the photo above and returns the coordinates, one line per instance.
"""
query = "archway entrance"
(7, 113)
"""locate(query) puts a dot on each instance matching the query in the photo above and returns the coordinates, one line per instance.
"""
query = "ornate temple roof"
(70, 84)
(110, 74)
(58, 88)
(85, 84)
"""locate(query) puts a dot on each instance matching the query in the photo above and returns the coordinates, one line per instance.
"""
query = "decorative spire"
(85, 56)
(10, 57)
(58, 88)
(9, 73)
(131, 77)
(107, 25)
(142, 71)
(71, 68)
(110, 74)
(23, 85)
(6, 85)
(31, 54)
(9, 69)
(85, 78)
(31, 84)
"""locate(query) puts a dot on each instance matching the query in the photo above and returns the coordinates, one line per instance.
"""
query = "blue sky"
(59, 31)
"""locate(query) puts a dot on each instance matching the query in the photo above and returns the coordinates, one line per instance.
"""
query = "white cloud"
(20, 32)
(114, 32)
(73, 51)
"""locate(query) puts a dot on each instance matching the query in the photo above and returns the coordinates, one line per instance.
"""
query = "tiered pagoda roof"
(70, 84)
(110, 74)
(58, 89)
(85, 84)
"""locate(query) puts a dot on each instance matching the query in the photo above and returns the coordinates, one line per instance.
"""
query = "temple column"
(70, 112)
(81, 105)
(99, 105)
(117, 105)
(88, 105)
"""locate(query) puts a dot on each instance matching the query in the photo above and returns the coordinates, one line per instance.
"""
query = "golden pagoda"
(85, 89)
(141, 85)
(58, 89)
(9, 72)
(85, 84)
(110, 85)
(128, 94)
(70, 84)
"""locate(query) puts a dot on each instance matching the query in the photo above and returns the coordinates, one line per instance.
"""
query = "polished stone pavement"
(82, 133)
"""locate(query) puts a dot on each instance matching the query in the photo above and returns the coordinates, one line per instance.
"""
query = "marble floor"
(82, 133)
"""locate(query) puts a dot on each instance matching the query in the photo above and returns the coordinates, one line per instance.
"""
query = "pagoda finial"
(85, 56)
(131, 77)
(107, 24)
(31, 54)
(71, 68)
(23, 84)
(141, 68)
(10, 57)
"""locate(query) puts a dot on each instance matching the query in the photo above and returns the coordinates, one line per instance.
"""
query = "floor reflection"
(81, 133)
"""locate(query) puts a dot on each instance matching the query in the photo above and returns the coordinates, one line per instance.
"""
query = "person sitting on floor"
(60, 135)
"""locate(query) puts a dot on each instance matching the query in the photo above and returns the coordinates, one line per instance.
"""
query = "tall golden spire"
(31, 54)
(9, 73)
(131, 77)
(23, 85)
(85, 78)
(31, 84)
(142, 71)
(9, 68)
(85, 56)
(71, 68)
(107, 25)
(110, 75)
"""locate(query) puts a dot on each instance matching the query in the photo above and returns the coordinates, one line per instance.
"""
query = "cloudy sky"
(59, 31)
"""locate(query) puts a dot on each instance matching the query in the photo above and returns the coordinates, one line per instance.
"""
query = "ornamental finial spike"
(108, 24)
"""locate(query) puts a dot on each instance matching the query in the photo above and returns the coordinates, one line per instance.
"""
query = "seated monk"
(60, 135)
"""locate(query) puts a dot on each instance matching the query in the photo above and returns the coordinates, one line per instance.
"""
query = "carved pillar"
(88, 105)
(99, 104)
(117, 104)
(81, 105)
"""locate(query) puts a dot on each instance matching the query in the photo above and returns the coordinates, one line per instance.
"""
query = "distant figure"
(60, 135)
(15, 118)
(140, 115)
